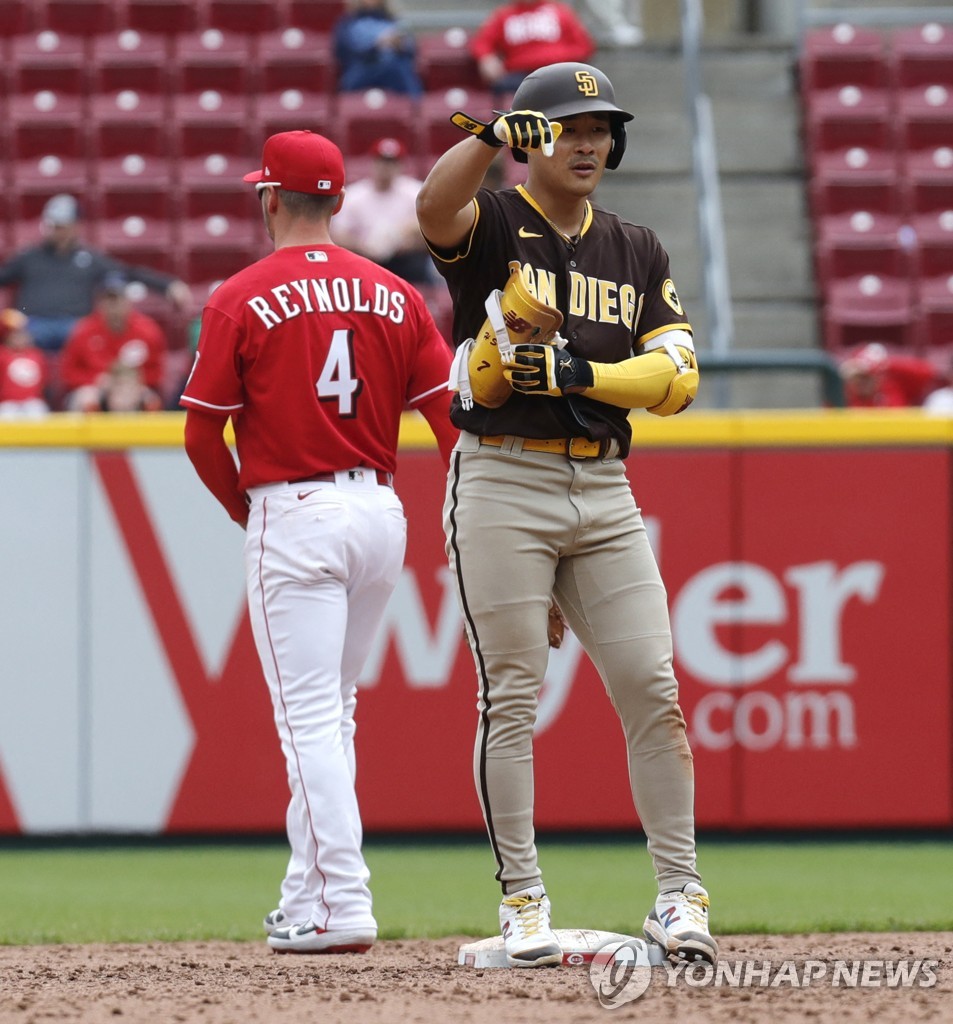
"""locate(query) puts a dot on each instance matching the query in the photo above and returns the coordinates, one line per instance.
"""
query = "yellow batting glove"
(521, 129)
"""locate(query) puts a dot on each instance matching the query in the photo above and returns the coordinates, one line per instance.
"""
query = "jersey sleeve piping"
(417, 399)
(459, 255)
(186, 400)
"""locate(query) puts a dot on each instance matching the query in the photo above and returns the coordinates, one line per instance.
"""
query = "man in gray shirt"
(55, 282)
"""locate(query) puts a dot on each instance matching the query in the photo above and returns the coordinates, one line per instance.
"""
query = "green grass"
(194, 892)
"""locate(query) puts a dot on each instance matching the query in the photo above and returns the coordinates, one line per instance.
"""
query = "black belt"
(384, 479)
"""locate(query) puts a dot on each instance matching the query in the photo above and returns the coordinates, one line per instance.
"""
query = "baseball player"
(313, 352)
(581, 323)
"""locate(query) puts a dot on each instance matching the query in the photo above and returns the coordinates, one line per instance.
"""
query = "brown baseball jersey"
(612, 284)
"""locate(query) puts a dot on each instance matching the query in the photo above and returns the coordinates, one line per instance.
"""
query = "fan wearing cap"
(55, 281)
(24, 372)
(538, 476)
(379, 219)
(111, 352)
(313, 353)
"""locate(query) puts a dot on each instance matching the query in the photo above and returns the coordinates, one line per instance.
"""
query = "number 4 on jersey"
(338, 381)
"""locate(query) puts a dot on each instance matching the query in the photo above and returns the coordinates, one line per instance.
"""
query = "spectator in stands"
(374, 50)
(55, 281)
(874, 377)
(114, 350)
(520, 37)
(379, 216)
(23, 370)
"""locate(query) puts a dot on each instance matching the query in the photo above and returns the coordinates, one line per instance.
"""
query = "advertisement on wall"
(809, 591)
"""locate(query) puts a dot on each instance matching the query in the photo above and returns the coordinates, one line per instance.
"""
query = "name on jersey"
(592, 298)
(328, 295)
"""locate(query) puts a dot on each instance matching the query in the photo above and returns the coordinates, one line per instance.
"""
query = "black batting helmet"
(562, 90)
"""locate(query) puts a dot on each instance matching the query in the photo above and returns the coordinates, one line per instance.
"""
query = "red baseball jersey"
(303, 348)
(93, 347)
(23, 374)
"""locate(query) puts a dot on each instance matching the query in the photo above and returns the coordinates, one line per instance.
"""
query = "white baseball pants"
(321, 561)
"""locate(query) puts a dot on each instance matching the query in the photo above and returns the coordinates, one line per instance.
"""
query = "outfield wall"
(808, 561)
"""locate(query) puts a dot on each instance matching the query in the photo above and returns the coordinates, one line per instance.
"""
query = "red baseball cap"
(389, 149)
(301, 162)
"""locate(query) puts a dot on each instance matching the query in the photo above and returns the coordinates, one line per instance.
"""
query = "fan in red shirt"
(876, 378)
(114, 342)
(520, 37)
(23, 369)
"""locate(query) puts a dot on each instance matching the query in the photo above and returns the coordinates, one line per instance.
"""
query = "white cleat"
(309, 938)
(276, 919)
(679, 924)
(528, 939)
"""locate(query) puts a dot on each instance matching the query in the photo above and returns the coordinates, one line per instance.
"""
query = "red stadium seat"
(164, 16)
(928, 195)
(922, 55)
(319, 15)
(935, 310)
(934, 235)
(17, 17)
(868, 308)
(849, 116)
(364, 117)
(296, 58)
(213, 248)
(212, 59)
(82, 17)
(251, 16)
(38, 60)
(843, 54)
(47, 122)
(840, 256)
(210, 121)
(136, 183)
(129, 59)
(857, 164)
(830, 197)
(290, 110)
(437, 132)
(212, 184)
(444, 60)
(33, 180)
(138, 239)
(128, 122)
(925, 117)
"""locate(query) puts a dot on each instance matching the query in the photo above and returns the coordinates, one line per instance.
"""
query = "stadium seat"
(46, 122)
(925, 117)
(164, 16)
(212, 184)
(289, 110)
(857, 164)
(849, 116)
(33, 180)
(845, 255)
(17, 17)
(868, 308)
(250, 16)
(922, 55)
(137, 239)
(295, 58)
(136, 183)
(444, 60)
(364, 117)
(843, 54)
(926, 194)
(935, 311)
(82, 17)
(210, 121)
(437, 133)
(831, 196)
(213, 248)
(212, 59)
(318, 15)
(934, 251)
(129, 59)
(128, 122)
(37, 60)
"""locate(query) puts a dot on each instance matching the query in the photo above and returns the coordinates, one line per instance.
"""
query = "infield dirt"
(420, 982)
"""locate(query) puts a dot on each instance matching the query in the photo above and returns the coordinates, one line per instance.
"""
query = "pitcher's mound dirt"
(420, 982)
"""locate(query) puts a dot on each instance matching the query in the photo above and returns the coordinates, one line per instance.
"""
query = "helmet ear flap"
(618, 146)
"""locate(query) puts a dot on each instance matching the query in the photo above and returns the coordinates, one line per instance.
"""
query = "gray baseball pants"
(524, 526)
